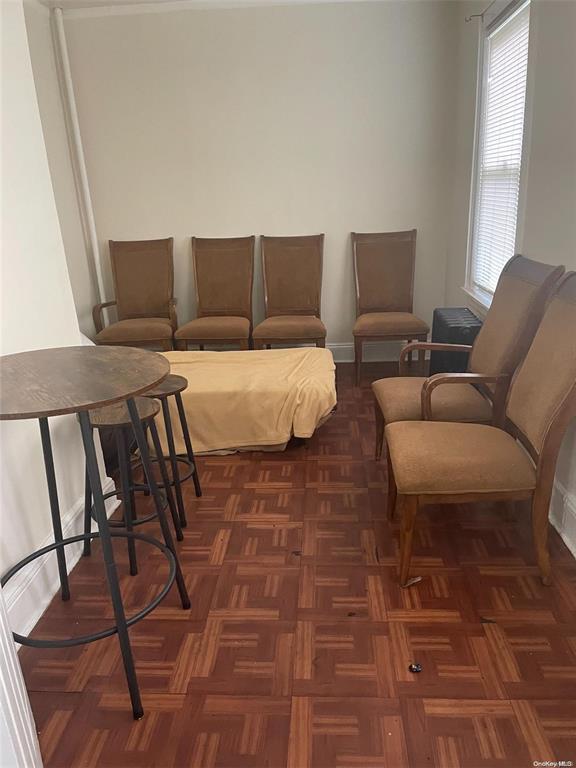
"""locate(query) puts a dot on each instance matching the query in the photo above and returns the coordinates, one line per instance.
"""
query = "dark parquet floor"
(296, 651)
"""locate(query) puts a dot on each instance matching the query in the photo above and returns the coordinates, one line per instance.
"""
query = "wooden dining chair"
(223, 271)
(516, 310)
(384, 271)
(143, 275)
(435, 462)
(292, 268)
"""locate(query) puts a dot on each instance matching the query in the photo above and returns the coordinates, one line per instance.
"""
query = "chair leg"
(392, 490)
(357, 359)
(379, 416)
(243, 343)
(321, 342)
(409, 505)
(540, 524)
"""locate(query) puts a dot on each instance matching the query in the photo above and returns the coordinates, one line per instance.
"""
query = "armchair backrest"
(542, 397)
(514, 315)
(292, 268)
(384, 270)
(223, 269)
(143, 272)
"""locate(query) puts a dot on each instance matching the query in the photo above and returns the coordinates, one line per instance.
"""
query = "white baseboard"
(374, 351)
(563, 515)
(29, 592)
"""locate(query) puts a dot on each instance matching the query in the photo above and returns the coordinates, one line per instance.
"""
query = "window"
(499, 149)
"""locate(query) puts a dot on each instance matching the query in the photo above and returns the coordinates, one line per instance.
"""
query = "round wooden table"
(66, 380)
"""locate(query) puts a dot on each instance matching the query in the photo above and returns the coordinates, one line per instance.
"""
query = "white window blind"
(499, 150)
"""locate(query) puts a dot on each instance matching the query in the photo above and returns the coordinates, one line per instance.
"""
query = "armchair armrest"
(173, 315)
(433, 346)
(97, 314)
(497, 396)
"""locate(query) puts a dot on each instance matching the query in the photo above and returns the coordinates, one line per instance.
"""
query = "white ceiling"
(117, 4)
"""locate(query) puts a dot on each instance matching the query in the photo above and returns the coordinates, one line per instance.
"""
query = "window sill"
(479, 300)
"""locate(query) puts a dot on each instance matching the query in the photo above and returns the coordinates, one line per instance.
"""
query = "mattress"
(251, 399)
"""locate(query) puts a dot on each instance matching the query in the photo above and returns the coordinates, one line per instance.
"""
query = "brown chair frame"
(359, 340)
(267, 343)
(98, 310)
(497, 396)
(545, 461)
(243, 344)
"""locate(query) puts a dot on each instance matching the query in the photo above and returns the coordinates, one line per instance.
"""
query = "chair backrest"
(384, 269)
(542, 397)
(223, 270)
(292, 268)
(514, 315)
(143, 272)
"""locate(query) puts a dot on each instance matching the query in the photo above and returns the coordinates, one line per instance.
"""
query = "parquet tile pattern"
(295, 653)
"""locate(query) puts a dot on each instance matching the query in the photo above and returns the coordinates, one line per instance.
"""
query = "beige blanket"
(256, 398)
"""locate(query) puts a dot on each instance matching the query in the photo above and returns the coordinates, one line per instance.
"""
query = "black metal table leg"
(123, 462)
(149, 472)
(111, 573)
(87, 514)
(173, 461)
(188, 442)
(54, 506)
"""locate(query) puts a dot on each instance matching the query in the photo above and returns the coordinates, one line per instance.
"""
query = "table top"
(50, 382)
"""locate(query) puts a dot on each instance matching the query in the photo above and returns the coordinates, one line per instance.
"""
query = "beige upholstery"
(384, 266)
(548, 372)
(143, 272)
(290, 327)
(292, 268)
(146, 329)
(205, 328)
(403, 324)
(439, 457)
(399, 400)
(223, 267)
(509, 327)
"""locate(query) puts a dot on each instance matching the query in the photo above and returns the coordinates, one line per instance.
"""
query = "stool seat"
(169, 386)
(117, 415)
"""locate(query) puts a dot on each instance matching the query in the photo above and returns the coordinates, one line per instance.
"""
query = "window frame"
(499, 12)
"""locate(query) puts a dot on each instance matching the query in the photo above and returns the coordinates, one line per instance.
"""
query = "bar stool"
(117, 418)
(172, 386)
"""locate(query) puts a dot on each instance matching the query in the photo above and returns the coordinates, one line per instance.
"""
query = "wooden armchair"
(292, 268)
(384, 271)
(449, 463)
(223, 270)
(509, 327)
(143, 274)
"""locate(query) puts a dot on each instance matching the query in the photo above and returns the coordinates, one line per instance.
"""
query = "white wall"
(189, 117)
(37, 310)
(547, 216)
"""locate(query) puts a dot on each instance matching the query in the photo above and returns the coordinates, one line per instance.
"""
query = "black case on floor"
(452, 325)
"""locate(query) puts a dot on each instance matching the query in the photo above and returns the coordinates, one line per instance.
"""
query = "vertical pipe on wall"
(77, 148)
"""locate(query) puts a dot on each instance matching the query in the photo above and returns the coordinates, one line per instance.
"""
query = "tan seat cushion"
(399, 399)
(215, 328)
(402, 324)
(439, 457)
(290, 327)
(140, 329)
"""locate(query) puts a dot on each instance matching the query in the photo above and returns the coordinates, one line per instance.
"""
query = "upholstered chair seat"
(291, 326)
(292, 270)
(517, 306)
(137, 330)
(399, 399)
(389, 323)
(223, 272)
(437, 462)
(384, 270)
(440, 457)
(215, 328)
(143, 274)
